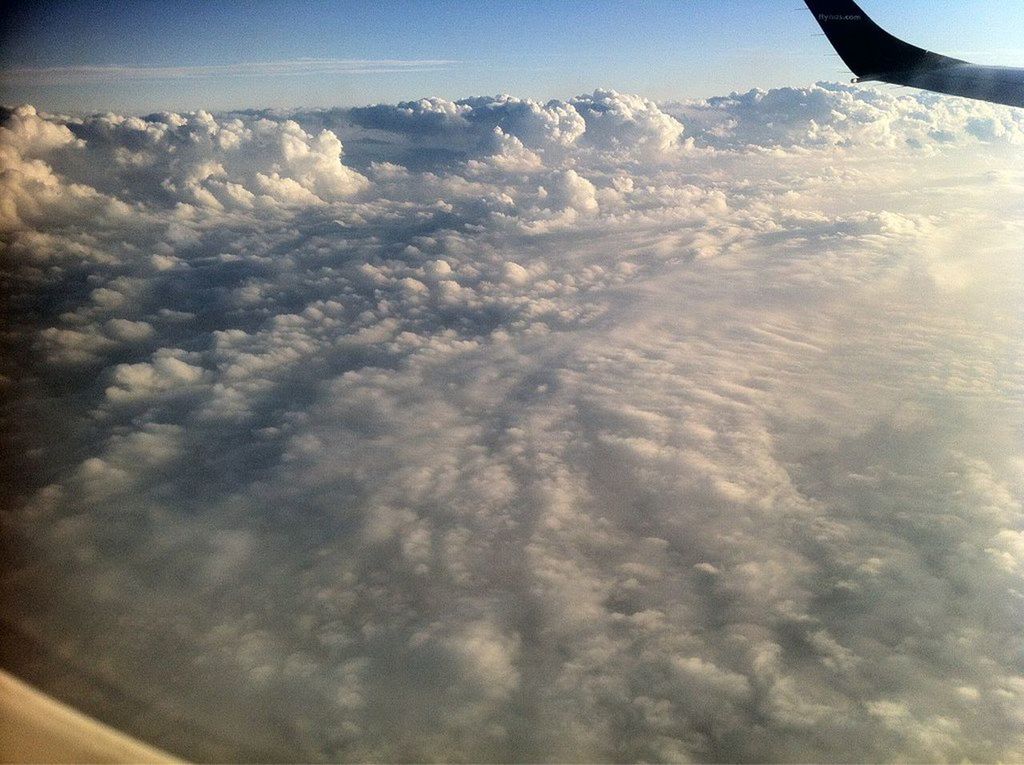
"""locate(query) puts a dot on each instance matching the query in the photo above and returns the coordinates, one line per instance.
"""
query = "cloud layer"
(586, 430)
(78, 75)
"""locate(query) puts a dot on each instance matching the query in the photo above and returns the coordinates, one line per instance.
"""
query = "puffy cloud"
(166, 373)
(471, 123)
(30, 191)
(571, 191)
(830, 114)
(481, 126)
(621, 121)
(587, 430)
(31, 135)
(200, 160)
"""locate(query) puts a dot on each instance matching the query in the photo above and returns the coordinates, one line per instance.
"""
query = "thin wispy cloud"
(115, 72)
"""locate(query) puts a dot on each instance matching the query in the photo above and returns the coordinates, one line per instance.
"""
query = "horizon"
(142, 57)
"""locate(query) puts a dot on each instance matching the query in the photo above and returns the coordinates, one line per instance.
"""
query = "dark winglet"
(870, 51)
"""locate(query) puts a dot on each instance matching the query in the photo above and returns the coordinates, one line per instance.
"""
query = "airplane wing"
(875, 55)
(37, 728)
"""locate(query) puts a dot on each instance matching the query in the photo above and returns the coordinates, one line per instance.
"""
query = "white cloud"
(598, 429)
(627, 122)
(91, 74)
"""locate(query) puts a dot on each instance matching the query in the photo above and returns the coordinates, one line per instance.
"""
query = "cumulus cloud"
(628, 122)
(500, 430)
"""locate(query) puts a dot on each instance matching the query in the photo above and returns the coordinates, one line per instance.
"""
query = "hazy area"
(493, 430)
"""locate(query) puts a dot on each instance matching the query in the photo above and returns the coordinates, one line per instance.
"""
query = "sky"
(159, 55)
(619, 426)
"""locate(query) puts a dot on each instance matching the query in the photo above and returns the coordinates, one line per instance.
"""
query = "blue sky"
(188, 55)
